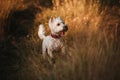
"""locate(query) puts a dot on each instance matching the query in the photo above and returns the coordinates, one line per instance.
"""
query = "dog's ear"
(51, 19)
(60, 18)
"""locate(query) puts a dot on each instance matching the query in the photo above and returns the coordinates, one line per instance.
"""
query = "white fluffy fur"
(51, 44)
(41, 31)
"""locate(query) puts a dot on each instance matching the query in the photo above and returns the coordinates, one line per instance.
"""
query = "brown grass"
(92, 41)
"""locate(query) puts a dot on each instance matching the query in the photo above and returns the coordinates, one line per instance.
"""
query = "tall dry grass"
(92, 48)
(92, 42)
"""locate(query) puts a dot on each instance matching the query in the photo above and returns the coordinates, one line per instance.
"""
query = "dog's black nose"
(65, 28)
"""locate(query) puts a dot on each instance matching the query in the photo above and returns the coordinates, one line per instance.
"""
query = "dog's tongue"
(62, 33)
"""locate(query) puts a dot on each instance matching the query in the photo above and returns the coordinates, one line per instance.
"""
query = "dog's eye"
(58, 24)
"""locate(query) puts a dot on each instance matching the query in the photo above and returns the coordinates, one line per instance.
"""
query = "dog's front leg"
(52, 59)
(63, 50)
(50, 53)
(44, 51)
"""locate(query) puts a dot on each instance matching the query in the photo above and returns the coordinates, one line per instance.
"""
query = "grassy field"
(93, 47)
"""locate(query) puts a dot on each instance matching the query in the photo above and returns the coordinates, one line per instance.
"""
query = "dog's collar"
(55, 36)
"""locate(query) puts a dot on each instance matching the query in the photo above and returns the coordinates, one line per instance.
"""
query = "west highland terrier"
(54, 41)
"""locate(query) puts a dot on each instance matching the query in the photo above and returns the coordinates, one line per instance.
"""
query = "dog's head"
(57, 26)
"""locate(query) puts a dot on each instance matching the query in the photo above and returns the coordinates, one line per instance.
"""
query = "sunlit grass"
(89, 43)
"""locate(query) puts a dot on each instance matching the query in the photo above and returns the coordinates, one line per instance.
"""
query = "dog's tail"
(41, 31)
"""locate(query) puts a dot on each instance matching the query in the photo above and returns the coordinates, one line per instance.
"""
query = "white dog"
(54, 41)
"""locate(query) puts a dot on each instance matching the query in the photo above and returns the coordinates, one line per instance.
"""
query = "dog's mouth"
(61, 33)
